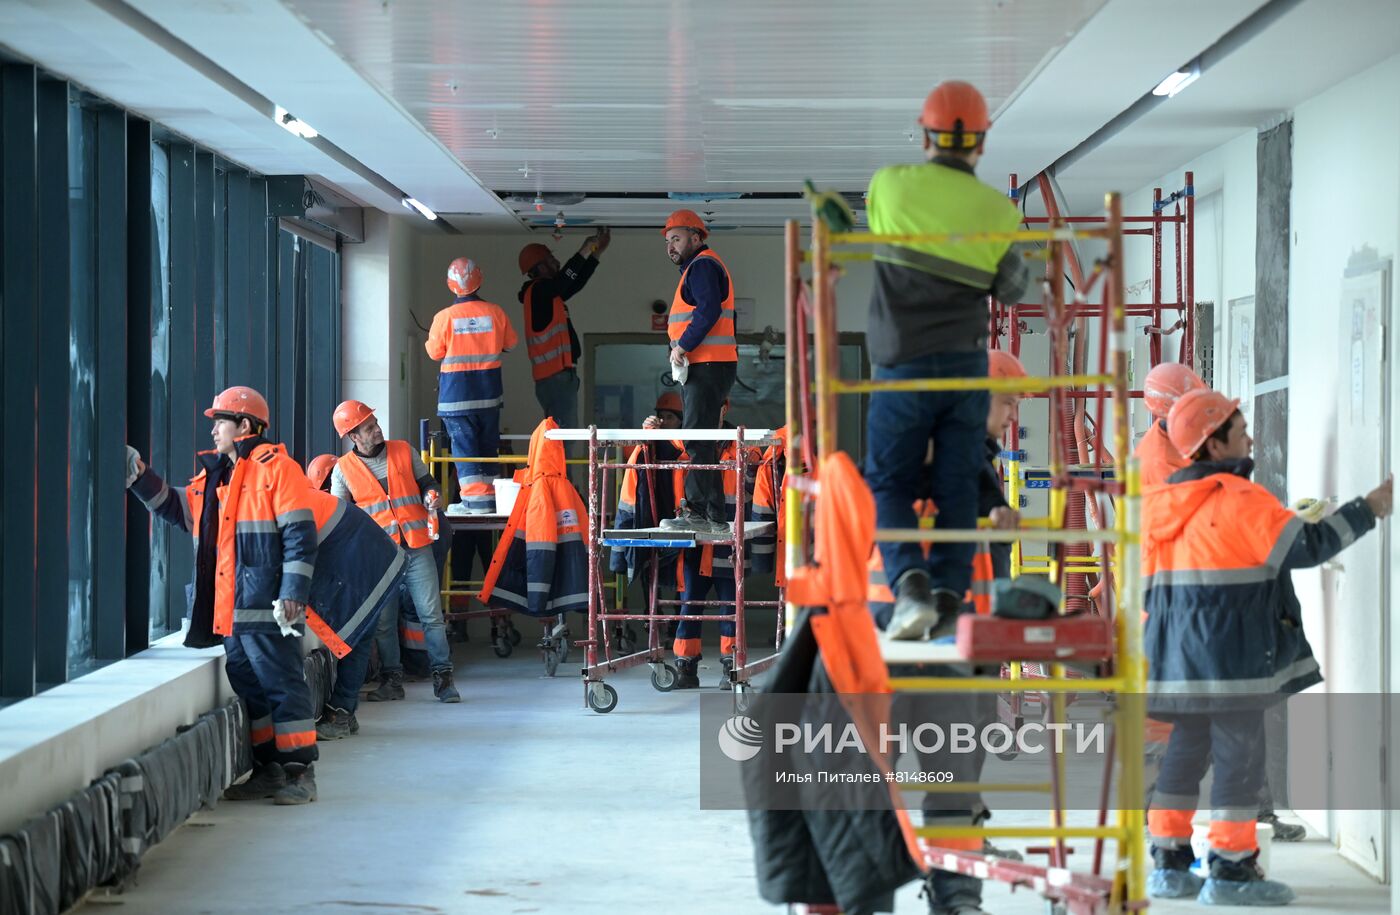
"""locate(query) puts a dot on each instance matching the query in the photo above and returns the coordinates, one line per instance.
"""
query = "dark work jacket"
(854, 858)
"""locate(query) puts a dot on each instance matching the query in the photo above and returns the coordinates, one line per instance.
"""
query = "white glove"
(134, 466)
(287, 619)
(680, 370)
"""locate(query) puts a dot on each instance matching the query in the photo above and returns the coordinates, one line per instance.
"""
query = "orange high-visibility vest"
(400, 511)
(980, 593)
(719, 344)
(551, 350)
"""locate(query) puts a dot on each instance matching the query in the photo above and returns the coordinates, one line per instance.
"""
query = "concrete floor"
(521, 800)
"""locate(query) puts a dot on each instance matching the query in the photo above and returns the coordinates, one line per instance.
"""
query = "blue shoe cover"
(1244, 892)
(1165, 883)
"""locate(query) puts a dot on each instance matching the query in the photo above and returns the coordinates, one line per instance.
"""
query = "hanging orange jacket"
(720, 344)
(1157, 458)
(844, 532)
(551, 350)
(541, 563)
(400, 511)
(979, 594)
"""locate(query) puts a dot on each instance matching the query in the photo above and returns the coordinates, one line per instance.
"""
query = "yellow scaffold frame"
(1128, 671)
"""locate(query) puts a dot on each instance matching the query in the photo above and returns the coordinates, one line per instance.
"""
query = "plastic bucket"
(506, 492)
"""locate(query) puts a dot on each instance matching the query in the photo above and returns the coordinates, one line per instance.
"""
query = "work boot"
(689, 520)
(354, 724)
(443, 688)
(914, 610)
(726, 668)
(1172, 877)
(334, 724)
(457, 510)
(300, 787)
(1284, 832)
(687, 673)
(1242, 883)
(951, 893)
(390, 687)
(265, 781)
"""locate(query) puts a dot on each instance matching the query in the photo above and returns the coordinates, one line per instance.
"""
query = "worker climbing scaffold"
(1110, 644)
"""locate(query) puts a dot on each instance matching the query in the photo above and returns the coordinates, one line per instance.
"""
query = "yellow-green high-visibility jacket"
(932, 297)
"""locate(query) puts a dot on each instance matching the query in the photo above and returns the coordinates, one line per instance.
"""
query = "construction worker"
(928, 319)
(1224, 640)
(394, 487)
(712, 565)
(648, 496)
(701, 330)
(271, 553)
(1161, 389)
(550, 337)
(468, 338)
(1164, 385)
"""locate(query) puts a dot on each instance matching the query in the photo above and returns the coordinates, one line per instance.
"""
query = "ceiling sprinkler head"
(559, 222)
(452, 86)
(492, 133)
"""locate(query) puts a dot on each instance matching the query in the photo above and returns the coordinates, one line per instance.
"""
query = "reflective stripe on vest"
(551, 350)
(400, 511)
(719, 344)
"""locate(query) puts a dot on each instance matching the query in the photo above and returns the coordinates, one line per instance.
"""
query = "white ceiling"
(451, 101)
(1309, 49)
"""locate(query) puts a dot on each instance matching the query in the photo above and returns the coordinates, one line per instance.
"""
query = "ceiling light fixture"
(293, 124)
(1179, 80)
(415, 205)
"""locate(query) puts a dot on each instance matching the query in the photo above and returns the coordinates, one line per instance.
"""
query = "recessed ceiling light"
(1179, 80)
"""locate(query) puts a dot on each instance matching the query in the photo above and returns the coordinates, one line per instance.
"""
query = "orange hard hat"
(1165, 384)
(670, 401)
(239, 401)
(463, 276)
(532, 255)
(349, 415)
(685, 219)
(1195, 416)
(319, 469)
(1001, 364)
(956, 108)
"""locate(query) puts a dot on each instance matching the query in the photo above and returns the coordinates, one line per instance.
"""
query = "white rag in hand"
(286, 619)
(680, 372)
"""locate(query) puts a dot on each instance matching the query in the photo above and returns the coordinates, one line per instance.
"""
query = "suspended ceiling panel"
(619, 95)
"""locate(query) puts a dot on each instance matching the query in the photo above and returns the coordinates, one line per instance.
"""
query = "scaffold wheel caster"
(602, 698)
(1008, 755)
(551, 662)
(663, 677)
(502, 646)
(513, 633)
(562, 647)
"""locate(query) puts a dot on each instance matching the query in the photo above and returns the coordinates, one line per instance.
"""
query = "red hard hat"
(670, 401)
(532, 255)
(685, 219)
(319, 469)
(1195, 416)
(956, 107)
(1001, 364)
(240, 401)
(463, 276)
(1166, 384)
(349, 415)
